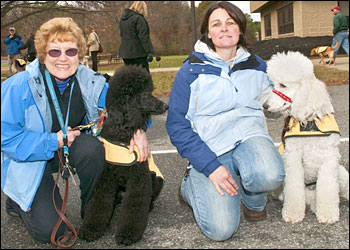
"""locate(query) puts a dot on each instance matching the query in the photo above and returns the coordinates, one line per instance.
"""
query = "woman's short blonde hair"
(140, 7)
(62, 29)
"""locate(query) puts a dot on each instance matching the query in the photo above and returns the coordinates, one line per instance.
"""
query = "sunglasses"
(69, 52)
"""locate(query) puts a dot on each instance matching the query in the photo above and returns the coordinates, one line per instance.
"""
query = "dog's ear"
(107, 76)
(311, 101)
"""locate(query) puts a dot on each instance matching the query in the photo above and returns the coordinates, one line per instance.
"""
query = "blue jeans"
(342, 36)
(261, 169)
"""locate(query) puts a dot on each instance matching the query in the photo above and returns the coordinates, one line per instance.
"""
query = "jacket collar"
(250, 63)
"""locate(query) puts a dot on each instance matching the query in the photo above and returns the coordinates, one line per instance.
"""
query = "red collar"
(283, 96)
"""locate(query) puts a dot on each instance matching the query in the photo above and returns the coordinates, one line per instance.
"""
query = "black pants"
(94, 60)
(87, 155)
(137, 61)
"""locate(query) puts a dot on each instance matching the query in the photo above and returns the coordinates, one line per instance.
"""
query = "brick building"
(280, 19)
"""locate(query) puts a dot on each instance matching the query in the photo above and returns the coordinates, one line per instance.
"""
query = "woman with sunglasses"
(39, 108)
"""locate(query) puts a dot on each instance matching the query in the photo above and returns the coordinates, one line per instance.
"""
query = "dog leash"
(61, 213)
(66, 170)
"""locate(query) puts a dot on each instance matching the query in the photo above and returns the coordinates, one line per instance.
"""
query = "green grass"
(331, 76)
(168, 61)
(165, 62)
(163, 81)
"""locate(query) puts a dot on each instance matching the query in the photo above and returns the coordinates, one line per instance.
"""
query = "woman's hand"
(222, 179)
(140, 140)
(71, 134)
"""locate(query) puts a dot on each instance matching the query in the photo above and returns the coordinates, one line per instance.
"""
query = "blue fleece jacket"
(26, 139)
(214, 106)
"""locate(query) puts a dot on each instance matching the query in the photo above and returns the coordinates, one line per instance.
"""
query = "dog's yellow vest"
(324, 127)
(118, 154)
(321, 49)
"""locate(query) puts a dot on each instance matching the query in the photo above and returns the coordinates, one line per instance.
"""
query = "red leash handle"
(283, 96)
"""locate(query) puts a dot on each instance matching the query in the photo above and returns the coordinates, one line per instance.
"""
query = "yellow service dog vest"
(324, 127)
(321, 49)
(118, 154)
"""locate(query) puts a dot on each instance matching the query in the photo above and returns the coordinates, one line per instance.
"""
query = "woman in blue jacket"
(39, 108)
(215, 120)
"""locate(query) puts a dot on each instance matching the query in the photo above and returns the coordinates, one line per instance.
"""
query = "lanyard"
(58, 109)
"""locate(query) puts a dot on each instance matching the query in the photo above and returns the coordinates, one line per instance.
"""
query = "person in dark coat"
(136, 47)
(31, 48)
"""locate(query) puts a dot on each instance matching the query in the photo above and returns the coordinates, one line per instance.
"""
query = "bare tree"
(169, 21)
(193, 23)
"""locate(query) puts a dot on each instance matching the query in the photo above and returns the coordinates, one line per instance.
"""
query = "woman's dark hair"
(234, 12)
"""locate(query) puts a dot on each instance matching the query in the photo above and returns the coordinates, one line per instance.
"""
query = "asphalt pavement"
(172, 225)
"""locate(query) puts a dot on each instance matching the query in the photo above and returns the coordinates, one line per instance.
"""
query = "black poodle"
(130, 104)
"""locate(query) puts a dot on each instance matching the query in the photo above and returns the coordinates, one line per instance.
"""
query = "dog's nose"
(266, 106)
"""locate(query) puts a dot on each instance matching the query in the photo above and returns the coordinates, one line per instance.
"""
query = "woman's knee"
(265, 178)
(87, 146)
(87, 150)
(221, 224)
(264, 182)
(220, 231)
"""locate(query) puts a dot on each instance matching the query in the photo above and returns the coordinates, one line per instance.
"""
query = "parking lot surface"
(172, 225)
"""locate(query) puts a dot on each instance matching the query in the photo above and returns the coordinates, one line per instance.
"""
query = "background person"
(31, 133)
(92, 43)
(215, 120)
(31, 53)
(340, 27)
(13, 43)
(136, 47)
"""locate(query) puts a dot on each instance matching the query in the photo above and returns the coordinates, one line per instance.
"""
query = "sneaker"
(11, 208)
(253, 215)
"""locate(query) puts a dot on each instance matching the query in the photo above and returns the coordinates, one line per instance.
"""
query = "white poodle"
(307, 158)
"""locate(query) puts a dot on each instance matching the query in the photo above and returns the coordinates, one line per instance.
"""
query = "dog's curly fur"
(307, 159)
(130, 104)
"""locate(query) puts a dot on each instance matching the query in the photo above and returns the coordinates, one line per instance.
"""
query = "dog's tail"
(336, 45)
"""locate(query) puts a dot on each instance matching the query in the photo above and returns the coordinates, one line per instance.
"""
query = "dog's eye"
(282, 85)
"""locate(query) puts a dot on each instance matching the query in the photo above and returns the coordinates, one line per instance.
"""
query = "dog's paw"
(125, 240)
(292, 216)
(327, 216)
(89, 235)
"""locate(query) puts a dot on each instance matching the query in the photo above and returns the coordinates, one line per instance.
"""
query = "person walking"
(13, 42)
(31, 53)
(216, 121)
(136, 47)
(340, 27)
(93, 45)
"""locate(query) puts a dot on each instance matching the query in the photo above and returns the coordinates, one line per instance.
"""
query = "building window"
(267, 20)
(285, 19)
